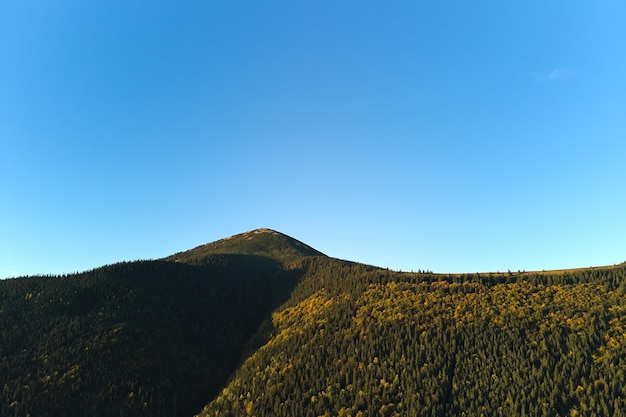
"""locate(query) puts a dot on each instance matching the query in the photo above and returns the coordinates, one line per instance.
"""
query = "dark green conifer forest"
(149, 338)
(262, 325)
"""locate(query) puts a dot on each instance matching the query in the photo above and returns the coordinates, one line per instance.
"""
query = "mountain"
(146, 338)
(355, 340)
(260, 324)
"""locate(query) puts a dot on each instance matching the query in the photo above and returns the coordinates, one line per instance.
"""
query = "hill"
(149, 338)
(261, 324)
(354, 340)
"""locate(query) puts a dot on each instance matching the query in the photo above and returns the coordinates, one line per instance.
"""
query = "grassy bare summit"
(260, 242)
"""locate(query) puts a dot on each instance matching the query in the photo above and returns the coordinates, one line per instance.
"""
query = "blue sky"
(452, 136)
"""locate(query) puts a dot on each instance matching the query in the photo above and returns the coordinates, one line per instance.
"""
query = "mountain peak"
(262, 242)
(250, 233)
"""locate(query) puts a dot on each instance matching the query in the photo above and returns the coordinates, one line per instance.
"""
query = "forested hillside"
(261, 324)
(148, 338)
(360, 341)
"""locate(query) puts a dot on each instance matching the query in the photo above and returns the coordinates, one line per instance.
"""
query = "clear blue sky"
(454, 136)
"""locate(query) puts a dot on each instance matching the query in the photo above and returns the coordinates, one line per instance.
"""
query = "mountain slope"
(148, 338)
(355, 340)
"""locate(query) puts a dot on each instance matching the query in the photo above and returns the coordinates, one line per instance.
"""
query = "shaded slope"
(261, 242)
(151, 338)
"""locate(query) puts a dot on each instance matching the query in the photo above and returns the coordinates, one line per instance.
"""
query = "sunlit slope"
(360, 341)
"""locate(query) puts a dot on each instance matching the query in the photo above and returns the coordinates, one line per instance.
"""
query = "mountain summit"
(260, 242)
